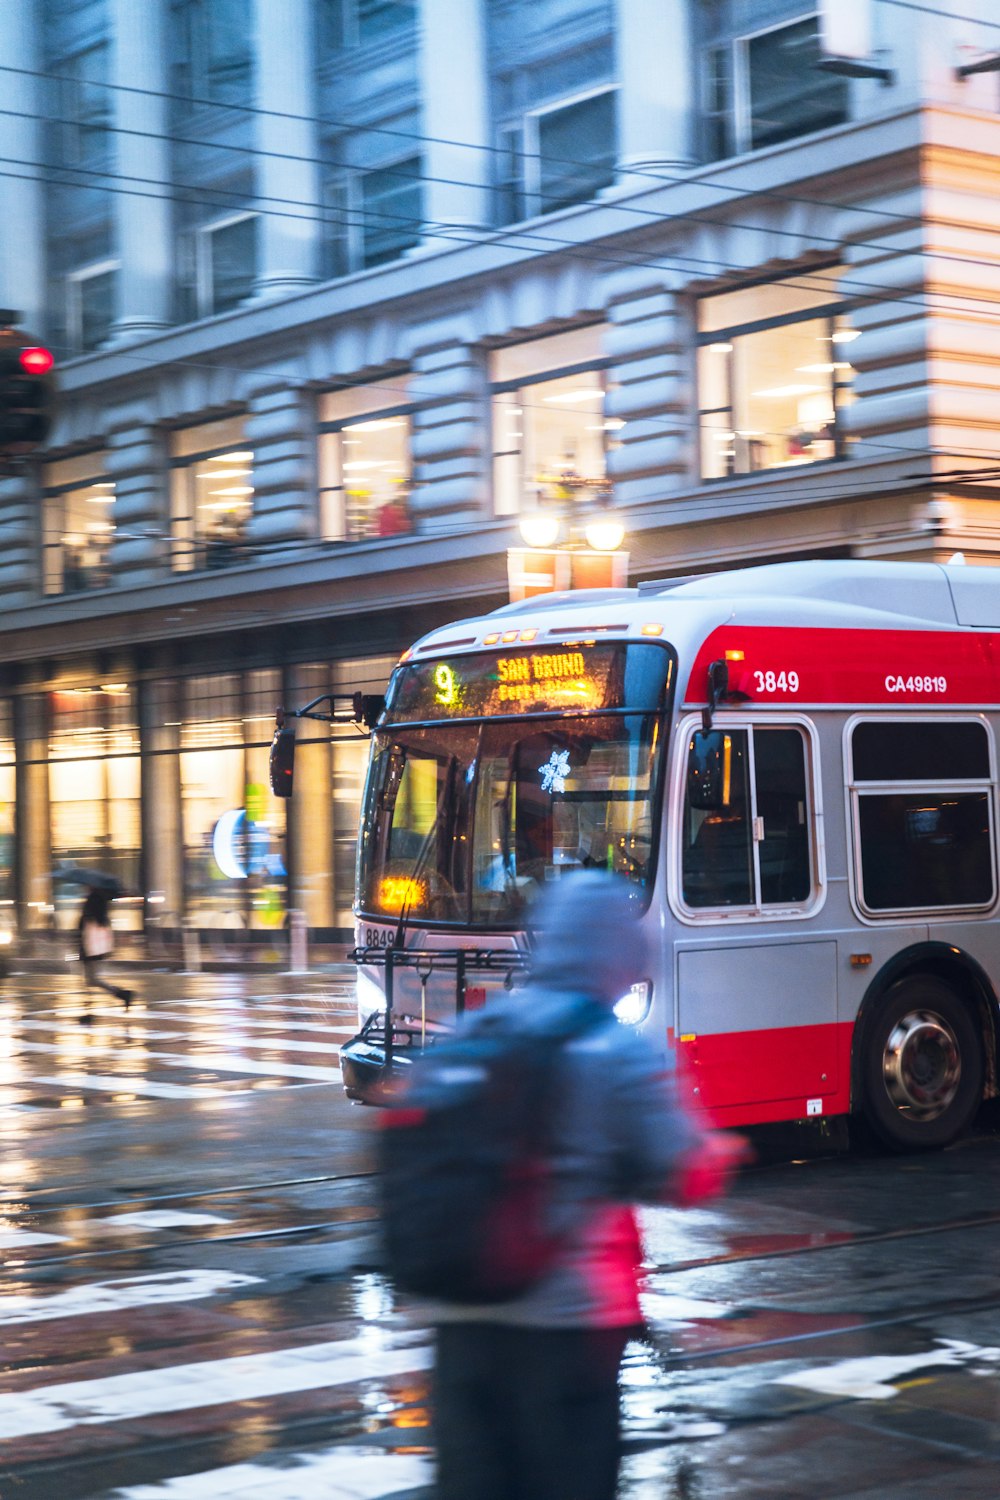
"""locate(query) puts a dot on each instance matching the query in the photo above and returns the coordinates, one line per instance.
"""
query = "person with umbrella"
(96, 939)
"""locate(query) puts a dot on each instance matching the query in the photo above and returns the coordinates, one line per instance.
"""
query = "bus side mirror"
(718, 688)
(368, 708)
(281, 763)
(706, 772)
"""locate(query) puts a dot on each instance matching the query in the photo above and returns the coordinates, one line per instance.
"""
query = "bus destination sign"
(585, 676)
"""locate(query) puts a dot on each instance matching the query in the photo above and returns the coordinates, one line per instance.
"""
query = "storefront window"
(550, 434)
(364, 461)
(78, 525)
(94, 794)
(234, 869)
(211, 495)
(775, 374)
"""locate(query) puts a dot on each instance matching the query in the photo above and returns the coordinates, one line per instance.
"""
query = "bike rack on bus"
(369, 1060)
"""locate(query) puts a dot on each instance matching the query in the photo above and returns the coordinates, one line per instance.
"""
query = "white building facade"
(342, 290)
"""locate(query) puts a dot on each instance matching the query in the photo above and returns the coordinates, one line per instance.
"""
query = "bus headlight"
(633, 1007)
(370, 997)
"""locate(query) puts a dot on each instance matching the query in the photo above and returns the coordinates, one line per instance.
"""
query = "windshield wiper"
(423, 853)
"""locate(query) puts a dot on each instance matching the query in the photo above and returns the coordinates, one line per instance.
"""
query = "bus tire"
(922, 1070)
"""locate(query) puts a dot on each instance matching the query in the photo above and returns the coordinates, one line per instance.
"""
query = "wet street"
(191, 1303)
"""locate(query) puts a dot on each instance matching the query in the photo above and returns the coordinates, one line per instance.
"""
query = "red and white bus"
(795, 769)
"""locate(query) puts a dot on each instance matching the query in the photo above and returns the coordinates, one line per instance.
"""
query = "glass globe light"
(605, 534)
(539, 530)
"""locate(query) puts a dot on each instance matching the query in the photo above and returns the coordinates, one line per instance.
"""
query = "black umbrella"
(94, 880)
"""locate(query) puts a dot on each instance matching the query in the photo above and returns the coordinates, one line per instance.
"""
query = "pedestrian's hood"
(588, 939)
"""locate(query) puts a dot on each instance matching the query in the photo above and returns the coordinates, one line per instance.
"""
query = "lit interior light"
(784, 392)
(613, 424)
(539, 530)
(230, 458)
(565, 398)
(605, 534)
(845, 335)
(720, 348)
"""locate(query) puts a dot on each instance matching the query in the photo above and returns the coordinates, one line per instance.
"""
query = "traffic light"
(27, 391)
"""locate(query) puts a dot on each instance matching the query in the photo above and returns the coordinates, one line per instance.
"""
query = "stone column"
(450, 456)
(34, 848)
(162, 836)
(136, 463)
(649, 391)
(281, 431)
(20, 530)
(22, 195)
(143, 219)
(288, 168)
(656, 74)
(455, 114)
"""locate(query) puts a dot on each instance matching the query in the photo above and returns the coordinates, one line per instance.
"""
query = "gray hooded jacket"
(619, 1130)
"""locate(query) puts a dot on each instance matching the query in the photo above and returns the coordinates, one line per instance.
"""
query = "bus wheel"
(923, 1066)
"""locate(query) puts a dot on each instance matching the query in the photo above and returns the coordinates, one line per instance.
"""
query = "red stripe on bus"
(781, 664)
(750, 1077)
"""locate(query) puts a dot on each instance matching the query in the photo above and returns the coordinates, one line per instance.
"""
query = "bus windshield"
(466, 820)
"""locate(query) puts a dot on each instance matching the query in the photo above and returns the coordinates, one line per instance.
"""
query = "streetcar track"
(138, 1195)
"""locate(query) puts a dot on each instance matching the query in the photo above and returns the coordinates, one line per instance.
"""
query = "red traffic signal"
(27, 393)
(36, 360)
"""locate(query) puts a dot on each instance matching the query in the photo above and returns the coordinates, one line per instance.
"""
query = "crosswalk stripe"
(209, 1062)
(121, 1294)
(217, 1382)
(125, 1084)
(138, 1027)
(332, 1474)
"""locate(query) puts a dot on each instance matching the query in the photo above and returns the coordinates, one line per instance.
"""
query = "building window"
(391, 211)
(354, 23)
(86, 107)
(78, 525)
(225, 264)
(90, 305)
(557, 156)
(762, 89)
(550, 434)
(774, 375)
(365, 465)
(94, 792)
(211, 495)
(922, 795)
(214, 58)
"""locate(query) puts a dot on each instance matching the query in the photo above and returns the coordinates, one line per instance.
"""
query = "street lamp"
(539, 529)
(604, 533)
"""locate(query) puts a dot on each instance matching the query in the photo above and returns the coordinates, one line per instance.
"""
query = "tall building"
(342, 291)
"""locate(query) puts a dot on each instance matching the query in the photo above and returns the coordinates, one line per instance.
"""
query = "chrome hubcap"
(922, 1064)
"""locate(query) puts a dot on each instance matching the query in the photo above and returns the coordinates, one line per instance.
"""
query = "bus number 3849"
(777, 682)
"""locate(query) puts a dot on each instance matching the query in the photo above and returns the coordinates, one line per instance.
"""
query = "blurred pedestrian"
(526, 1391)
(97, 943)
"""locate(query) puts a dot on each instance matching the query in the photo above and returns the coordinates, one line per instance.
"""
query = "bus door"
(756, 1009)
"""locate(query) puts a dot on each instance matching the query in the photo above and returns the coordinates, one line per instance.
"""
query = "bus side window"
(717, 861)
(780, 776)
(722, 802)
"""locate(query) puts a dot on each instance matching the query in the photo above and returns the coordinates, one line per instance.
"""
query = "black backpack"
(464, 1174)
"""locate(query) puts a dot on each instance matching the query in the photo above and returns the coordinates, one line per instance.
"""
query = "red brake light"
(37, 361)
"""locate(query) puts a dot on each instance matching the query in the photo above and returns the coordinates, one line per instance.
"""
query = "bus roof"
(837, 594)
